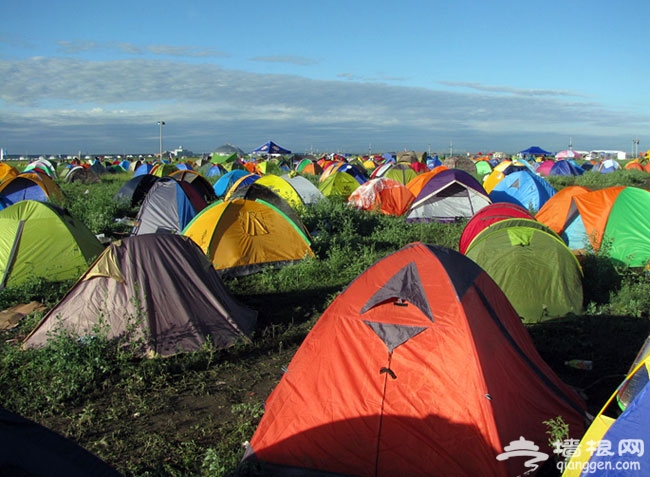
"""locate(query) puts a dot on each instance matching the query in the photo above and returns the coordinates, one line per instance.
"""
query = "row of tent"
(386, 338)
(422, 364)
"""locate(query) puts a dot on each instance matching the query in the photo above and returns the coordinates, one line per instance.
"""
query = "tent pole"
(12, 254)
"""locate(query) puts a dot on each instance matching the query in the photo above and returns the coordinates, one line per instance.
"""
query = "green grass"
(190, 414)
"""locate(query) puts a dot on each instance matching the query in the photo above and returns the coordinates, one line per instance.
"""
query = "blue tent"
(270, 148)
(143, 168)
(566, 168)
(535, 151)
(226, 181)
(523, 188)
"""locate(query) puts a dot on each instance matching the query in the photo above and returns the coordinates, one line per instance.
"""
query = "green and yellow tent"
(26, 251)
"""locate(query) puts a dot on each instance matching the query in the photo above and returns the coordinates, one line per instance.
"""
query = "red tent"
(487, 216)
(420, 366)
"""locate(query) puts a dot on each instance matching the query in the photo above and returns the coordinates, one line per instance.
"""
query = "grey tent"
(229, 149)
(158, 291)
(460, 162)
(168, 207)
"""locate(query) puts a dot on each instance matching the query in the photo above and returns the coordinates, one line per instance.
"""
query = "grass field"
(190, 414)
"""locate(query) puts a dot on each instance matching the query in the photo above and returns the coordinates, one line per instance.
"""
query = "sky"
(351, 76)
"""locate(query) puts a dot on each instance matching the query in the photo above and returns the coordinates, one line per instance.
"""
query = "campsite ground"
(187, 415)
(190, 414)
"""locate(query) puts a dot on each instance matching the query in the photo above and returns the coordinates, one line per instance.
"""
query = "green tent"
(483, 168)
(219, 158)
(532, 265)
(627, 232)
(41, 240)
(338, 184)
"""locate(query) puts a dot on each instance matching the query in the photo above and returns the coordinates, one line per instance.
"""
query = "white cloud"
(56, 103)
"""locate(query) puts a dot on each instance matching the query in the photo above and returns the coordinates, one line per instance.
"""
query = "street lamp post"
(161, 123)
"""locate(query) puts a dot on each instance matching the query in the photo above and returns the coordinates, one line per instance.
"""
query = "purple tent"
(447, 196)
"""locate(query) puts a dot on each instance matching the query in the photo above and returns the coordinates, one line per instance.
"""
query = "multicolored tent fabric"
(499, 171)
(243, 236)
(308, 192)
(400, 172)
(544, 167)
(608, 166)
(447, 196)
(420, 365)
(156, 291)
(255, 191)
(39, 240)
(555, 212)
(283, 188)
(135, 189)
(487, 216)
(31, 186)
(383, 195)
(42, 166)
(538, 273)
(307, 166)
(225, 182)
(242, 181)
(358, 172)
(200, 183)
(416, 184)
(162, 169)
(168, 207)
(615, 218)
(614, 443)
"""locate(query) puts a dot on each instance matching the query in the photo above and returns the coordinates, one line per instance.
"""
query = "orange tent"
(634, 164)
(420, 366)
(416, 184)
(594, 208)
(384, 195)
(7, 171)
(555, 210)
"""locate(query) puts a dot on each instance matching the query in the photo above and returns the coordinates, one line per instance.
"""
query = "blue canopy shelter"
(270, 148)
(535, 151)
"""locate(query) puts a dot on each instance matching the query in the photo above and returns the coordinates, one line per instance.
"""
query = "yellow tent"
(243, 236)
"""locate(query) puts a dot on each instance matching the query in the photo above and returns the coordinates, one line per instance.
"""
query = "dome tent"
(242, 237)
(616, 217)
(538, 273)
(523, 188)
(486, 217)
(156, 289)
(63, 253)
(420, 353)
(168, 207)
(448, 195)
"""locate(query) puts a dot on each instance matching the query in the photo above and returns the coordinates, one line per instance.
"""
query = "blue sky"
(348, 76)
